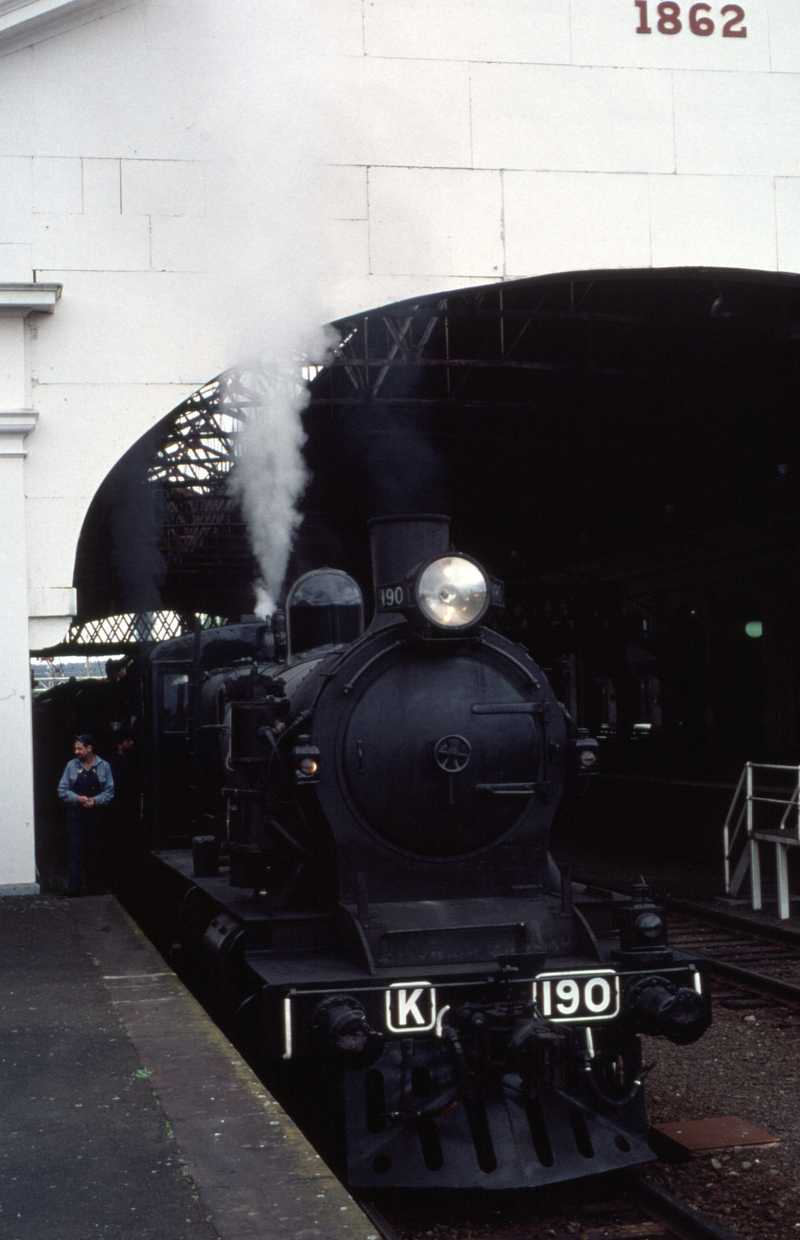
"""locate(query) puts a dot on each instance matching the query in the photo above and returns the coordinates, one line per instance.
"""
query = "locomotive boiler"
(369, 888)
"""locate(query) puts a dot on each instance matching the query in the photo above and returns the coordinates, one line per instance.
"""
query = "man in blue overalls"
(86, 785)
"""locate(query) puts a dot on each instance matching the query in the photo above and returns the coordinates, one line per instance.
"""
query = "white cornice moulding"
(29, 298)
(15, 424)
(17, 421)
(29, 21)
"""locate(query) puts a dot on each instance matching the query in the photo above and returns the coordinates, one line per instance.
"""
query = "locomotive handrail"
(743, 809)
(513, 789)
(527, 673)
(351, 684)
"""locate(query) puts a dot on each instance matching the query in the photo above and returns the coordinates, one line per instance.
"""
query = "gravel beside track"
(747, 1064)
(577, 1213)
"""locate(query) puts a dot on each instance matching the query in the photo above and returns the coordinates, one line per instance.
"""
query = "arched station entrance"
(621, 447)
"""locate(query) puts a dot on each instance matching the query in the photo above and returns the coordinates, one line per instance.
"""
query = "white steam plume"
(268, 129)
(270, 475)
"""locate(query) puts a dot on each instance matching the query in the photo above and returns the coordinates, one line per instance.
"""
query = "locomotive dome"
(324, 607)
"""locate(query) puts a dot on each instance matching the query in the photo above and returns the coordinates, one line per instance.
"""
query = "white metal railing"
(746, 828)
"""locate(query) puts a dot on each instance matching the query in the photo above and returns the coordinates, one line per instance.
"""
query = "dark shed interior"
(622, 448)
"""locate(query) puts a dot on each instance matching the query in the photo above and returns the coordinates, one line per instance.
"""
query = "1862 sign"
(697, 18)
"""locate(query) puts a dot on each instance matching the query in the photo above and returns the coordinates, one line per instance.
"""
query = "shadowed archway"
(621, 447)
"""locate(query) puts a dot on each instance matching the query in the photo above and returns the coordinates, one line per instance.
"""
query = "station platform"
(125, 1111)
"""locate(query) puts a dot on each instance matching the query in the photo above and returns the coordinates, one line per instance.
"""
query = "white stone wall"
(473, 140)
(458, 142)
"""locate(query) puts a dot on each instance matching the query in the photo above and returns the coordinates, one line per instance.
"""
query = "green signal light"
(754, 628)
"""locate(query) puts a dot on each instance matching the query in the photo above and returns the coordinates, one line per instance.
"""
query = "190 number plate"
(580, 997)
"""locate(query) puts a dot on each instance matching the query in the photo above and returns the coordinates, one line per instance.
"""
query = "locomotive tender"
(391, 926)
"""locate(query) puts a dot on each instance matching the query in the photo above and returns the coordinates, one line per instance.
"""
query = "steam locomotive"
(362, 870)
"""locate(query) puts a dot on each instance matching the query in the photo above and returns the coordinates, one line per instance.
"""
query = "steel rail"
(761, 983)
(749, 979)
(720, 917)
(660, 1205)
(380, 1223)
(682, 1220)
(733, 921)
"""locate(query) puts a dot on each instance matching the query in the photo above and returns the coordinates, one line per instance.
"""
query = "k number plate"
(581, 997)
(411, 1007)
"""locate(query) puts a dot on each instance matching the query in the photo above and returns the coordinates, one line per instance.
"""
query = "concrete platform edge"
(251, 1165)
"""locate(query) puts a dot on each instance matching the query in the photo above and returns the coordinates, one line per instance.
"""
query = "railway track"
(760, 960)
(681, 1219)
(662, 1214)
(757, 959)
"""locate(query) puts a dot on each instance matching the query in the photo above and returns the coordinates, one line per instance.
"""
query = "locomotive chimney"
(398, 544)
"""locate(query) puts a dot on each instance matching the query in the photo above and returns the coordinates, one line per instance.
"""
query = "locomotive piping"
(616, 1104)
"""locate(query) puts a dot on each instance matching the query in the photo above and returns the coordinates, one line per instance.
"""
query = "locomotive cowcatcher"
(369, 889)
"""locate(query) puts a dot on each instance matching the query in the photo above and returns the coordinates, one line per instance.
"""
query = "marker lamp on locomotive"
(453, 592)
(583, 753)
(306, 760)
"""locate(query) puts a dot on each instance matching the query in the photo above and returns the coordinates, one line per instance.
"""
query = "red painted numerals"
(700, 21)
(699, 24)
(669, 18)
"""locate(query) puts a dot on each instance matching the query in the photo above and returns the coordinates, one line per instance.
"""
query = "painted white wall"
(17, 420)
(16, 814)
(471, 141)
(455, 142)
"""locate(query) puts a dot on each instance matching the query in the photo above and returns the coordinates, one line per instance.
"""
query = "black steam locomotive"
(363, 876)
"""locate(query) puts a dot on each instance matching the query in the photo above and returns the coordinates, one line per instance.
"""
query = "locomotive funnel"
(398, 544)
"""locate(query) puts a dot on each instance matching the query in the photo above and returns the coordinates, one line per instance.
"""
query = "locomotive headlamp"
(448, 595)
(453, 592)
(649, 928)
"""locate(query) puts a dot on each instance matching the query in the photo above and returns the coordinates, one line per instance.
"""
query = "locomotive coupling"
(537, 1053)
(341, 1023)
(661, 1009)
(512, 1039)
